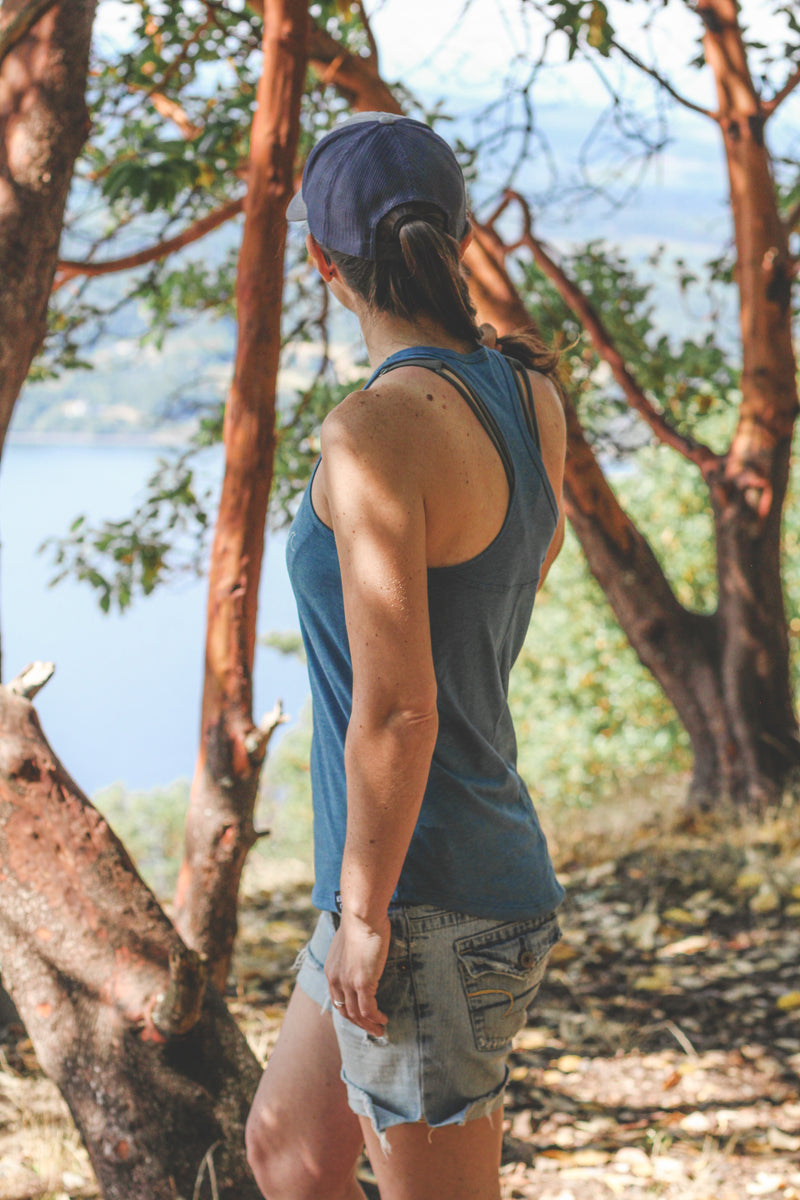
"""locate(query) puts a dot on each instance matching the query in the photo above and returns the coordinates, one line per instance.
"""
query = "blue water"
(124, 702)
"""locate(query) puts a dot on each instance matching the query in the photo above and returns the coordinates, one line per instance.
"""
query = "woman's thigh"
(454, 1162)
(302, 1138)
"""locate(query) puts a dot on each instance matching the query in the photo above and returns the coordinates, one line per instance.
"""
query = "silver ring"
(338, 1003)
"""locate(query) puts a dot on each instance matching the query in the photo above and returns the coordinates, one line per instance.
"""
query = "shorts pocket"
(501, 970)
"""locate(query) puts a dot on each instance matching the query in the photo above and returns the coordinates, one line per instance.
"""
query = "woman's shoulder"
(390, 411)
(549, 407)
(378, 436)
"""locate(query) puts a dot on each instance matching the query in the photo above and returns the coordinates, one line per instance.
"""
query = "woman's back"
(479, 601)
(460, 470)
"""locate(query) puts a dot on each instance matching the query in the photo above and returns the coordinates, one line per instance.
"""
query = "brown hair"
(418, 270)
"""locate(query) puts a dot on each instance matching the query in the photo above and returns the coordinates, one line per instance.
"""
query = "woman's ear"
(465, 241)
(319, 258)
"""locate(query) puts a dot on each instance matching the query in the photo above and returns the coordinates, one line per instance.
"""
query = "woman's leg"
(452, 1162)
(303, 1141)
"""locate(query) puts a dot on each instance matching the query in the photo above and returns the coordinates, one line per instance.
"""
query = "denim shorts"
(455, 990)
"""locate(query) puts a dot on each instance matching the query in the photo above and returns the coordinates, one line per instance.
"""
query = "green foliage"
(692, 378)
(194, 287)
(285, 641)
(298, 446)
(166, 535)
(585, 23)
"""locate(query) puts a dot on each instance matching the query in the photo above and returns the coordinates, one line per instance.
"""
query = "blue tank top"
(477, 847)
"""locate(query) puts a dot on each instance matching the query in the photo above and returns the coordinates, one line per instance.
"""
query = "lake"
(124, 703)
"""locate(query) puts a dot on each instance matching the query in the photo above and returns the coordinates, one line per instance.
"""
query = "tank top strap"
(523, 382)
(451, 375)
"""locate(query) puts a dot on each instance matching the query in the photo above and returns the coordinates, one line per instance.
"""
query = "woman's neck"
(385, 334)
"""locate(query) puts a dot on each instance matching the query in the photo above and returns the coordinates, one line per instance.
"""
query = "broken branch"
(178, 1009)
(32, 679)
(258, 738)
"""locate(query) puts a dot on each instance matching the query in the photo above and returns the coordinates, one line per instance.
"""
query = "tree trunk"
(219, 829)
(749, 494)
(153, 1068)
(43, 125)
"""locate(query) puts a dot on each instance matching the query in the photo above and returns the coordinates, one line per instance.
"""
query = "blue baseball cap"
(369, 165)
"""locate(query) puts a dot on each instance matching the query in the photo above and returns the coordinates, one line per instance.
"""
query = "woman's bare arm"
(373, 481)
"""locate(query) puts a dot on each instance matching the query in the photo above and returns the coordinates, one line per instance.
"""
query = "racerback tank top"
(477, 847)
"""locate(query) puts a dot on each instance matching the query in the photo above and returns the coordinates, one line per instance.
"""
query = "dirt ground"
(661, 1057)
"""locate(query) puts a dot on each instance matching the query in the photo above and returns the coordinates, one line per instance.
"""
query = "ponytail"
(529, 347)
(418, 270)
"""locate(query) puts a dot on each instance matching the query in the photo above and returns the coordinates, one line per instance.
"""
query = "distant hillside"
(133, 392)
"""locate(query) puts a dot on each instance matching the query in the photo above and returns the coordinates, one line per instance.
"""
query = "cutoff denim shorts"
(455, 990)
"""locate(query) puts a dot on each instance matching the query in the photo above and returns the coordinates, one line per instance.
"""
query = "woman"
(431, 518)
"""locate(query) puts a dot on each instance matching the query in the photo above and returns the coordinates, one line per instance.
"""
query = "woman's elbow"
(412, 719)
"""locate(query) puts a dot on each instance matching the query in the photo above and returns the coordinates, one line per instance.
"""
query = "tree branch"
(355, 77)
(170, 110)
(178, 1009)
(769, 106)
(257, 740)
(68, 269)
(792, 220)
(373, 45)
(22, 24)
(701, 455)
(31, 679)
(663, 82)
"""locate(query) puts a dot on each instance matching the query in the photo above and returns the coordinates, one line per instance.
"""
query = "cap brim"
(297, 208)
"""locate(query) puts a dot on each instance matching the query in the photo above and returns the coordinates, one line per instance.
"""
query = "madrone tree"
(727, 672)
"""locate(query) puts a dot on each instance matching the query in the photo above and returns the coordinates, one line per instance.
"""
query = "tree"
(43, 59)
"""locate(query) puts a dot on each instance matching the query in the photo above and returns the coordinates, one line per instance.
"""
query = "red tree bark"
(43, 125)
(219, 829)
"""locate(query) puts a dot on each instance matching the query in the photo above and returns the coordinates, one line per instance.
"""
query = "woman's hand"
(353, 968)
(488, 336)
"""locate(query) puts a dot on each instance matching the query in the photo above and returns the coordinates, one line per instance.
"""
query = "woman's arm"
(373, 484)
